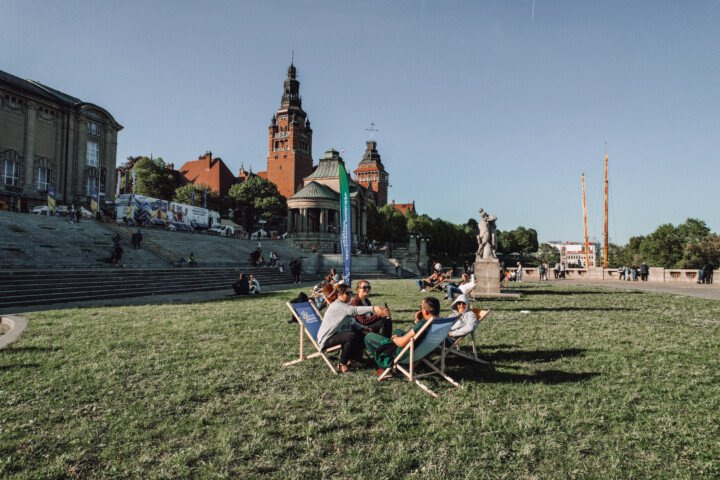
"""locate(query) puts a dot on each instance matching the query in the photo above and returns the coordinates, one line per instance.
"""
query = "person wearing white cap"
(466, 319)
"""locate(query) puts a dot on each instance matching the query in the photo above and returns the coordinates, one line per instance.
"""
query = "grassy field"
(591, 383)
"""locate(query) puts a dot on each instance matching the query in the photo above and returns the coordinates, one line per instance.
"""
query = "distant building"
(573, 253)
(244, 175)
(289, 158)
(314, 210)
(405, 207)
(210, 171)
(371, 173)
(49, 138)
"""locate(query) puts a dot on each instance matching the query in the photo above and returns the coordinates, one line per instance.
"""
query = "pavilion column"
(305, 220)
(323, 221)
(290, 220)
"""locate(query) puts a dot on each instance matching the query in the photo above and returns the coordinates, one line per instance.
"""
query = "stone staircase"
(26, 288)
(34, 241)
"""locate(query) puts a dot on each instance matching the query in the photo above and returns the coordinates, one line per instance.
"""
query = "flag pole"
(605, 246)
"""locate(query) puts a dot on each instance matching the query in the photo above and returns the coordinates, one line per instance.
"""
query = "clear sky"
(493, 104)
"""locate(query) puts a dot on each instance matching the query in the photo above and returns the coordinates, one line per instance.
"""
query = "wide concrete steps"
(25, 288)
(34, 241)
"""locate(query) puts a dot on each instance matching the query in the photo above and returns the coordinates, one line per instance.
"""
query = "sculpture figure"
(487, 237)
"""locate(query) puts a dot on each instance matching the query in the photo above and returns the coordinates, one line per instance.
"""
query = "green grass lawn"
(592, 383)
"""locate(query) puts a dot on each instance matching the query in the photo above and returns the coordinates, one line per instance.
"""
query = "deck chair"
(412, 355)
(309, 320)
(455, 347)
(442, 284)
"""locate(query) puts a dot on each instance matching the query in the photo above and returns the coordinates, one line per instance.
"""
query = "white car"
(223, 230)
(41, 210)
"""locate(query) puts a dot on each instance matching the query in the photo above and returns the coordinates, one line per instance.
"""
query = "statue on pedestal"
(487, 237)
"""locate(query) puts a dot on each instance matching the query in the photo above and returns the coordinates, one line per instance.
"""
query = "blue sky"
(477, 103)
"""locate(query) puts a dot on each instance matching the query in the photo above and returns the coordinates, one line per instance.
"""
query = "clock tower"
(290, 140)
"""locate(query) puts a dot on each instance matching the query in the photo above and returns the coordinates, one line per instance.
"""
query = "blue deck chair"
(412, 355)
(309, 320)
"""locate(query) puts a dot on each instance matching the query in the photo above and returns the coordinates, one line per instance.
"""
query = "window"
(93, 128)
(92, 182)
(43, 179)
(10, 173)
(93, 153)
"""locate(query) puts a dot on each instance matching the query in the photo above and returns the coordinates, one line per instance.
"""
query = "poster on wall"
(144, 210)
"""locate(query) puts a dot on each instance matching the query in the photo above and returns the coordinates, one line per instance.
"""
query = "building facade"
(289, 158)
(49, 138)
(314, 210)
(371, 173)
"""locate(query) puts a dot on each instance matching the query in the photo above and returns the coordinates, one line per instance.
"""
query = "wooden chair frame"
(455, 347)
(413, 363)
(304, 331)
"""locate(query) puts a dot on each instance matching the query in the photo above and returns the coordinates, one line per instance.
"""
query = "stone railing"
(656, 274)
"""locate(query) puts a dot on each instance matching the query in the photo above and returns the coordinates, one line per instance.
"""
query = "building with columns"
(289, 158)
(314, 210)
(49, 138)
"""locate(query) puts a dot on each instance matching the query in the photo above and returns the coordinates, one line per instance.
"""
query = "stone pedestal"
(487, 276)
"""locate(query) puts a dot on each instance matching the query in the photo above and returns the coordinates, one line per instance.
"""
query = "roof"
(37, 89)
(404, 207)
(218, 177)
(316, 190)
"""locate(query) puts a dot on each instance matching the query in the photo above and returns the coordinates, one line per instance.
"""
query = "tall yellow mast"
(605, 247)
(587, 255)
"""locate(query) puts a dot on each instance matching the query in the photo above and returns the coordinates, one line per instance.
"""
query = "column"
(323, 220)
(290, 221)
(30, 116)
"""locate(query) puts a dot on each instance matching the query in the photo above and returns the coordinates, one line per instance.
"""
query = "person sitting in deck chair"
(376, 344)
(453, 288)
(427, 283)
(340, 328)
(466, 321)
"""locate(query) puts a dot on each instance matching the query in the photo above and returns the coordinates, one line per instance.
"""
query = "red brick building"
(371, 173)
(211, 171)
(289, 158)
(404, 207)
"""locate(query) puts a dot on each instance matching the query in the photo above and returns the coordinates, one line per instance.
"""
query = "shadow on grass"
(533, 356)
(29, 349)
(24, 365)
(569, 309)
(575, 292)
(550, 377)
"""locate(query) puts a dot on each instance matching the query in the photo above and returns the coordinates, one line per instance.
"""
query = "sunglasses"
(366, 287)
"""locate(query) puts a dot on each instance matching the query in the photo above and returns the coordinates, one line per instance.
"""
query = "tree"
(257, 199)
(698, 254)
(548, 253)
(693, 230)
(153, 179)
(664, 247)
(214, 201)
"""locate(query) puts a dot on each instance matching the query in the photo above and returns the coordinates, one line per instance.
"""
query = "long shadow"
(568, 309)
(549, 377)
(574, 292)
(534, 356)
(29, 349)
(24, 365)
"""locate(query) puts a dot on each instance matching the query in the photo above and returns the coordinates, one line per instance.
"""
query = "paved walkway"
(711, 292)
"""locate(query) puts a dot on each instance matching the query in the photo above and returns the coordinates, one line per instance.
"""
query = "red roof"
(262, 175)
(211, 171)
(404, 207)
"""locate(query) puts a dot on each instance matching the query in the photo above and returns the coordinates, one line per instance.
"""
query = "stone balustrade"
(656, 274)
